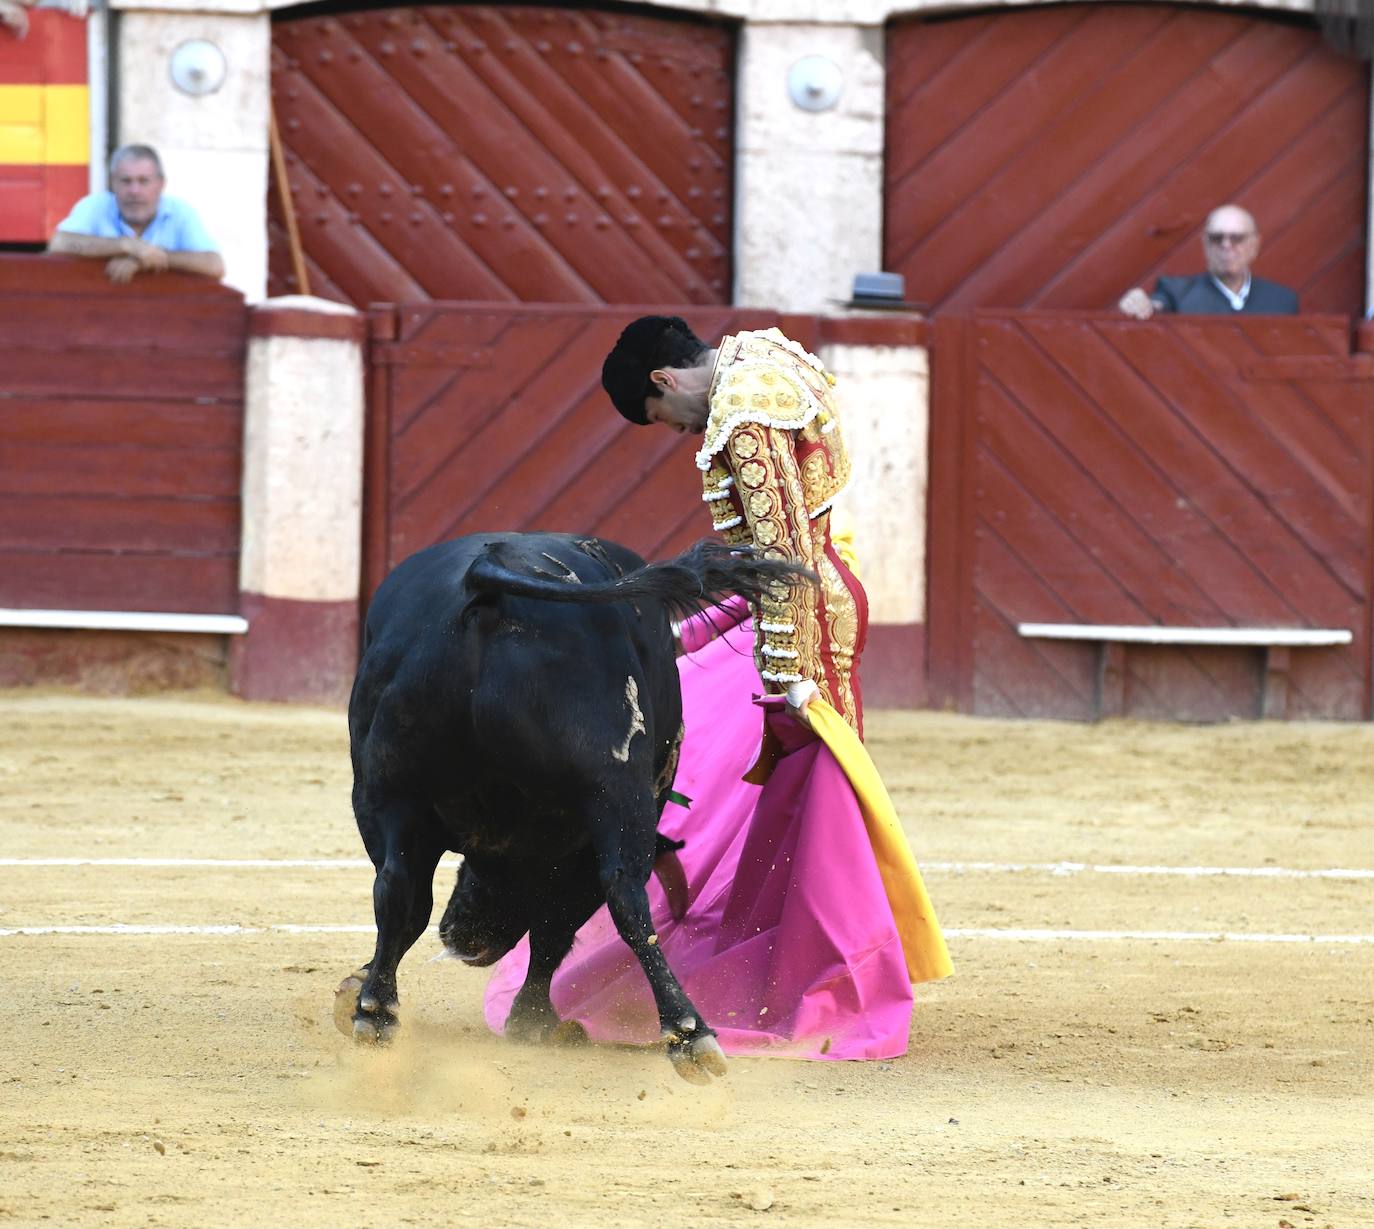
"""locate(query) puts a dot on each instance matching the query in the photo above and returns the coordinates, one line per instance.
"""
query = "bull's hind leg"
(625, 855)
(400, 840)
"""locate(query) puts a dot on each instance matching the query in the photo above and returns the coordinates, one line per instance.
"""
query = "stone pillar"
(883, 391)
(213, 146)
(301, 557)
(809, 184)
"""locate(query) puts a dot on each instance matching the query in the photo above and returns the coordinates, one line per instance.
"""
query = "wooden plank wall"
(1053, 156)
(487, 416)
(1194, 471)
(506, 152)
(121, 421)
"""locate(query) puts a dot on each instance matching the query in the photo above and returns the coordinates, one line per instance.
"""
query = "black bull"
(518, 702)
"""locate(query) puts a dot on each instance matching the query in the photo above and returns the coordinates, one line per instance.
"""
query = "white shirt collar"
(1235, 298)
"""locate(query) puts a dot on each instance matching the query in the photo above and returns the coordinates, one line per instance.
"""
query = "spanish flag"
(45, 146)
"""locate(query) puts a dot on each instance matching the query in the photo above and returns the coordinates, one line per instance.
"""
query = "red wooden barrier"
(492, 416)
(1188, 471)
(121, 419)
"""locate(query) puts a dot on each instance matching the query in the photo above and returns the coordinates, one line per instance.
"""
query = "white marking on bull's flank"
(1011, 933)
(622, 752)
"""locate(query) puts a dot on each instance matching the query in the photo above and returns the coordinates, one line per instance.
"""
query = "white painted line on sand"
(214, 864)
(1198, 872)
(132, 928)
(1032, 935)
(949, 868)
(1014, 934)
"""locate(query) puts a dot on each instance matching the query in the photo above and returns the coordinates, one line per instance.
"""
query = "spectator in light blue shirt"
(134, 228)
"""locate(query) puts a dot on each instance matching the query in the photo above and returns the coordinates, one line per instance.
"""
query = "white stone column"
(883, 393)
(884, 397)
(213, 146)
(300, 562)
(809, 184)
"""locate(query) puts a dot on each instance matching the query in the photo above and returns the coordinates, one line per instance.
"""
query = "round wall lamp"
(198, 67)
(814, 83)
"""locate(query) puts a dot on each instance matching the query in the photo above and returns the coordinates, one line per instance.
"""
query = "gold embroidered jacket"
(773, 460)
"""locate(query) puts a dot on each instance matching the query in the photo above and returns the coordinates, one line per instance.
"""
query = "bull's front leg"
(624, 869)
(400, 839)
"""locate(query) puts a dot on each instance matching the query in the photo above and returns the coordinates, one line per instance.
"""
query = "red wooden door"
(1055, 156)
(503, 152)
(1193, 471)
(489, 417)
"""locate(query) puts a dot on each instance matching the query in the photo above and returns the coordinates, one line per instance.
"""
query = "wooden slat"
(158, 472)
(128, 372)
(949, 510)
(209, 325)
(134, 523)
(94, 422)
(89, 580)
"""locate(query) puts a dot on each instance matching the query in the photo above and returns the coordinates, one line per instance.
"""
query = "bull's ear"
(673, 879)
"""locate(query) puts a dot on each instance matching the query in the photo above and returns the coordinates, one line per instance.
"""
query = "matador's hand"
(798, 700)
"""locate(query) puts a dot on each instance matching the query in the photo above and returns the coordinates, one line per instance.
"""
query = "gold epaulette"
(757, 392)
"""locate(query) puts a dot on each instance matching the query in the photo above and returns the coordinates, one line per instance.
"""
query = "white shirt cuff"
(799, 693)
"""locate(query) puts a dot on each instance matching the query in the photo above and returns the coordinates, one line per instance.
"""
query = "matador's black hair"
(646, 345)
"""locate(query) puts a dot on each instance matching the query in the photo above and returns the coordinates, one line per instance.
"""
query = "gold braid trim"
(788, 633)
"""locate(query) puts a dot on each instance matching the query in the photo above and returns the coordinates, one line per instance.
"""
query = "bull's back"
(452, 683)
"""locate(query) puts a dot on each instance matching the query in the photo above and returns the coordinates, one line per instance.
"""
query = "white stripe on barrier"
(1014, 934)
(952, 868)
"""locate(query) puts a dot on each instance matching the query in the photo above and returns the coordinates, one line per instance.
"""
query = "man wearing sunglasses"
(1230, 243)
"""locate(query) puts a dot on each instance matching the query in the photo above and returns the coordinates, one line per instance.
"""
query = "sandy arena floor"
(1146, 1074)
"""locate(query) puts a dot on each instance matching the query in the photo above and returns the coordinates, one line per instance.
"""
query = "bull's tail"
(706, 574)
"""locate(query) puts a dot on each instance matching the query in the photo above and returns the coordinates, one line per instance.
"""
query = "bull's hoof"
(695, 1052)
(374, 1030)
(363, 1018)
(568, 1033)
(531, 1028)
(346, 1001)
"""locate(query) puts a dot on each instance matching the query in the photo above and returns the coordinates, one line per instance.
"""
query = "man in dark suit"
(1230, 243)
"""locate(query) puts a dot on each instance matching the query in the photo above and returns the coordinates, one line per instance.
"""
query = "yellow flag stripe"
(45, 125)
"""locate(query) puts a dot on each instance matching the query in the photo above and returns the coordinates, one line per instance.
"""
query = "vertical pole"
(288, 205)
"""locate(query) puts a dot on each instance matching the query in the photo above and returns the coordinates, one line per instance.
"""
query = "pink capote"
(788, 946)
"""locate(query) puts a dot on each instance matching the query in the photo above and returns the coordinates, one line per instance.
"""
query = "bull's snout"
(479, 959)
